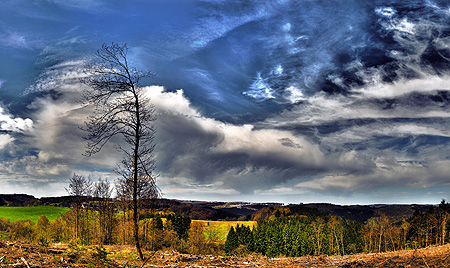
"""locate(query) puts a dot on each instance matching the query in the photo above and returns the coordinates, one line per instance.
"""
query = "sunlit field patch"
(219, 229)
(32, 213)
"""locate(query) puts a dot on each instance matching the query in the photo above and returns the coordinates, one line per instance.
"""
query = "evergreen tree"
(288, 243)
(274, 240)
(259, 237)
(181, 225)
(232, 241)
(158, 223)
(353, 242)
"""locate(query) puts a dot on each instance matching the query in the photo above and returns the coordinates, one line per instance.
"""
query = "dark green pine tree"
(247, 237)
(186, 223)
(244, 235)
(232, 242)
(274, 242)
(158, 223)
(260, 237)
(181, 224)
(305, 246)
(353, 242)
(238, 231)
(252, 245)
(287, 239)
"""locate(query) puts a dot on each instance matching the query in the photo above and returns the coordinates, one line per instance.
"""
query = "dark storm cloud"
(208, 151)
(244, 158)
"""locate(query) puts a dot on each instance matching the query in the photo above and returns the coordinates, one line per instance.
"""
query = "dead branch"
(25, 262)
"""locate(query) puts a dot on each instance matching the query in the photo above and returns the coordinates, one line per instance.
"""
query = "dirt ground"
(26, 255)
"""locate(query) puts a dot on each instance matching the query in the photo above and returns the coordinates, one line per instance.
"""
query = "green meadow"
(32, 213)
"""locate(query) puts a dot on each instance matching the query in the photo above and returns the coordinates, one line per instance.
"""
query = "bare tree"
(105, 207)
(122, 109)
(318, 226)
(79, 188)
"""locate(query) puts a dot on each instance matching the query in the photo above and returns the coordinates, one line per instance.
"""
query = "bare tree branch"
(122, 109)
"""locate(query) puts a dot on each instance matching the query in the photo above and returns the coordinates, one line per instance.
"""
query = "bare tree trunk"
(444, 222)
(380, 240)
(135, 182)
(136, 229)
(337, 242)
(77, 216)
(135, 212)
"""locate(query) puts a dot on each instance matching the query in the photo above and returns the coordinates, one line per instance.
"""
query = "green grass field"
(32, 213)
(220, 229)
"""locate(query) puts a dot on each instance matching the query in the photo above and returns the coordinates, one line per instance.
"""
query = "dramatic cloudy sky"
(341, 101)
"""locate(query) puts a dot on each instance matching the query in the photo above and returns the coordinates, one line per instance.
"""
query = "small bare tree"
(105, 208)
(79, 188)
(122, 109)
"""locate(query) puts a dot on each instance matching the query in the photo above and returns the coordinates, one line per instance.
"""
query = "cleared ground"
(58, 255)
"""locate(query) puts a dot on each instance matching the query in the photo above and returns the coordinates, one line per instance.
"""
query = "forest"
(314, 232)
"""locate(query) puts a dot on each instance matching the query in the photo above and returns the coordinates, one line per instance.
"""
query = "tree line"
(97, 219)
(316, 232)
(297, 236)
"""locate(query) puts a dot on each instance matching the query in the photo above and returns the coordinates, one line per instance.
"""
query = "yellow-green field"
(32, 213)
(218, 230)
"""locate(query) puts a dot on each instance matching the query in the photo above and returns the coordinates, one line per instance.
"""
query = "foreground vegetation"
(60, 255)
(95, 225)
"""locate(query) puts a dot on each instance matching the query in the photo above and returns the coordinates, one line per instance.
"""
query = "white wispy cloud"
(427, 83)
(15, 39)
(222, 19)
(20, 40)
(88, 5)
(5, 139)
(14, 124)
(60, 77)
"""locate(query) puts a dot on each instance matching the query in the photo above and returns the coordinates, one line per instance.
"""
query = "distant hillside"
(358, 213)
(196, 211)
(17, 200)
(258, 211)
(207, 210)
(23, 200)
(361, 213)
